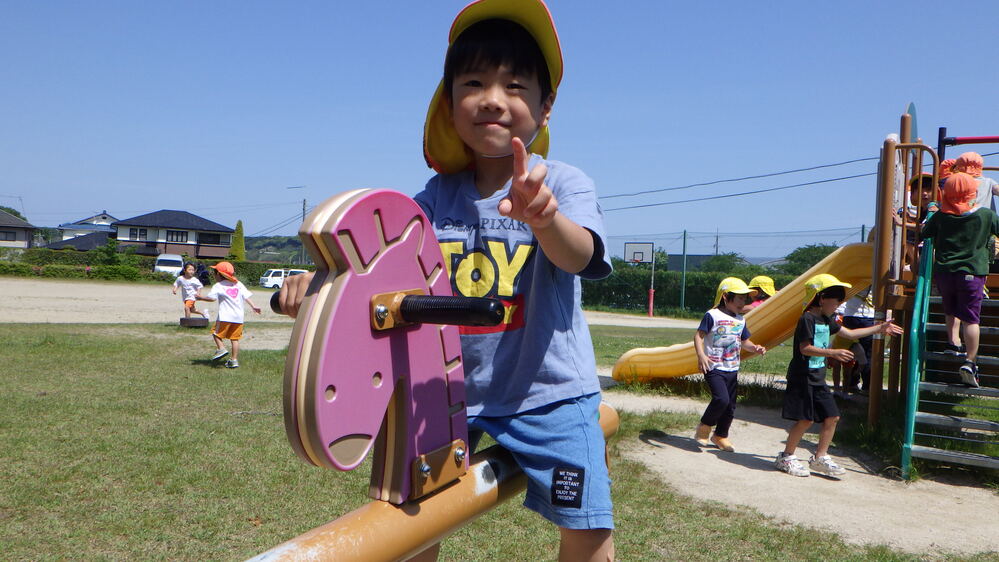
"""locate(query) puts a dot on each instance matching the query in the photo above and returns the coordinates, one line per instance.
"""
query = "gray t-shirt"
(542, 352)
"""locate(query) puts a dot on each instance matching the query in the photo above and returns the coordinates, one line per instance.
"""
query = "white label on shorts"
(567, 486)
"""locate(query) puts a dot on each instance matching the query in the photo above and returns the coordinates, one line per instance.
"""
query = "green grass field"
(124, 442)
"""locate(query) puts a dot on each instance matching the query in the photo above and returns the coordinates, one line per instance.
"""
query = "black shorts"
(803, 401)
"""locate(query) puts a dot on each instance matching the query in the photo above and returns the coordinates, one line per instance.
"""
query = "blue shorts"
(560, 447)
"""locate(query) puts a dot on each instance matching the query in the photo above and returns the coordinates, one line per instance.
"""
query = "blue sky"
(218, 107)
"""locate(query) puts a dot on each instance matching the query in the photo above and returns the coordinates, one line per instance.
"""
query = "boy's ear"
(546, 108)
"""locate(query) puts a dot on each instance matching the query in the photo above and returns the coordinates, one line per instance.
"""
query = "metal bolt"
(381, 313)
(425, 469)
(459, 454)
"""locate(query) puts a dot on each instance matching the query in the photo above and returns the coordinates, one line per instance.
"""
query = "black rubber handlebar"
(430, 309)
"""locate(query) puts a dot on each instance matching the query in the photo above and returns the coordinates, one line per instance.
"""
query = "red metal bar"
(972, 140)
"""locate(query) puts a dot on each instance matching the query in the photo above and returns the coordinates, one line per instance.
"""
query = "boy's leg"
(953, 329)
(795, 434)
(591, 545)
(836, 367)
(719, 405)
(972, 335)
(235, 350)
(218, 342)
(561, 449)
(826, 436)
(731, 393)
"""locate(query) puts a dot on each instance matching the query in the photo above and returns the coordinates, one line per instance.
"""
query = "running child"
(807, 399)
(230, 294)
(531, 383)
(719, 341)
(961, 233)
(190, 287)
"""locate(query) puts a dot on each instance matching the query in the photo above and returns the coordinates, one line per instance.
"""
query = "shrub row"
(59, 271)
(628, 289)
(70, 264)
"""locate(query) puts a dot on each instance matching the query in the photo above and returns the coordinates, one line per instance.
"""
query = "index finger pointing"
(519, 158)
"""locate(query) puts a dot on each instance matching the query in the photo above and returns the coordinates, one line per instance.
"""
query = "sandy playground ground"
(925, 517)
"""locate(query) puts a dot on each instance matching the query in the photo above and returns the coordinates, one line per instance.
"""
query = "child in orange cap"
(961, 233)
(516, 226)
(230, 294)
(971, 163)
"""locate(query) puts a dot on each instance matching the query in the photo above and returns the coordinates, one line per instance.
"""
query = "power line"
(771, 174)
(741, 193)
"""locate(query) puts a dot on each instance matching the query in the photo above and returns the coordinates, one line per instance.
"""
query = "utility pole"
(683, 276)
(302, 259)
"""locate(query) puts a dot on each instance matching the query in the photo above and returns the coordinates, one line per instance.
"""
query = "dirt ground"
(925, 517)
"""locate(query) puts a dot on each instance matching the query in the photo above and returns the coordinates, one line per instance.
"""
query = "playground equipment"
(374, 366)
(770, 323)
(194, 322)
(899, 294)
(951, 426)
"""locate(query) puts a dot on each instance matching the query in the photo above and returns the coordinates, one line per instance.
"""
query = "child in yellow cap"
(516, 226)
(764, 287)
(719, 341)
(807, 399)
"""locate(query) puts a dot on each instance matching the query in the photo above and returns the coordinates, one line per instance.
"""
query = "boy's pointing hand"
(530, 200)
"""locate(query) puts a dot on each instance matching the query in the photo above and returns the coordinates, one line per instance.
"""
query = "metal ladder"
(933, 386)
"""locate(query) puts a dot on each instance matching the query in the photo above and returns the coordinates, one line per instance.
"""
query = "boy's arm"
(751, 347)
(255, 308)
(882, 327)
(703, 363)
(567, 245)
(806, 348)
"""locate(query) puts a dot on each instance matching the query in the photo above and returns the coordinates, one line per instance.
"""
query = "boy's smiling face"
(493, 105)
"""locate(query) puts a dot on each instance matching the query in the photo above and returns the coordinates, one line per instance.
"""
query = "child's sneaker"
(232, 364)
(790, 464)
(969, 374)
(825, 465)
(701, 435)
(220, 354)
(723, 443)
(956, 350)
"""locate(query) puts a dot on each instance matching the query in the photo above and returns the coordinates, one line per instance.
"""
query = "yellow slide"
(770, 323)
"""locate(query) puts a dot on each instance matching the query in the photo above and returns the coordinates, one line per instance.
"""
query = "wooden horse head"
(359, 376)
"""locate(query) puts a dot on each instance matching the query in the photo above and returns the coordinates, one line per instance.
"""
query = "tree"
(13, 212)
(108, 253)
(238, 250)
(724, 263)
(801, 259)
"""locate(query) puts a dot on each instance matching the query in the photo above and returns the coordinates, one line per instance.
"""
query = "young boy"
(190, 287)
(718, 342)
(523, 229)
(807, 399)
(231, 294)
(961, 234)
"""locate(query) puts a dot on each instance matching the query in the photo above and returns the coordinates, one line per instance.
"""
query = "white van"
(169, 263)
(274, 278)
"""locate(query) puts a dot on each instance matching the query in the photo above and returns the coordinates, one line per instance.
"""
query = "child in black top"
(807, 399)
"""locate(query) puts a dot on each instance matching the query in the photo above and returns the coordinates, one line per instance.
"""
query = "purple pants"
(721, 410)
(961, 294)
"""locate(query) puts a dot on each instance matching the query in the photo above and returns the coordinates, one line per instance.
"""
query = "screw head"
(381, 313)
(459, 454)
(425, 469)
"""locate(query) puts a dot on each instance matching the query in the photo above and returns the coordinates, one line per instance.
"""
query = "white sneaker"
(825, 465)
(232, 364)
(790, 464)
(220, 354)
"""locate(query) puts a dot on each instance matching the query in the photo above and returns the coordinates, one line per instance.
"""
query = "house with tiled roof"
(100, 222)
(174, 232)
(15, 232)
(83, 243)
